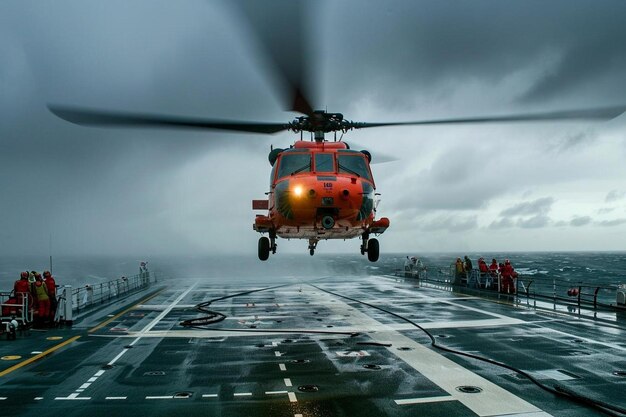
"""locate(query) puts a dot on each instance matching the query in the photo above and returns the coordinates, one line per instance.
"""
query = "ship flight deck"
(330, 347)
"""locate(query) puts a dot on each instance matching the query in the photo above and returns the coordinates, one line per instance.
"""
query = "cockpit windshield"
(294, 163)
(353, 164)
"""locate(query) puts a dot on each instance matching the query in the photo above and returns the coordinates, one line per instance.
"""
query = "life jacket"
(459, 267)
(51, 286)
(482, 266)
(21, 286)
(40, 290)
(507, 271)
(493, 267)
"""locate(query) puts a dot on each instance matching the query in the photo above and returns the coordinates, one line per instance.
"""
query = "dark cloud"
(580, 221)
(503, 223)
(612, 223)
(605, 210)
(534, 222)
(614, 195)
(535, 207)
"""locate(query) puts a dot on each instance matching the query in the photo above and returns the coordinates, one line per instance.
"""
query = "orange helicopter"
(319, 189)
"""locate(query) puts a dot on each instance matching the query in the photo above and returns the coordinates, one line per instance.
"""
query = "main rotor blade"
(92, 117)
(603, 113)
(280, 34)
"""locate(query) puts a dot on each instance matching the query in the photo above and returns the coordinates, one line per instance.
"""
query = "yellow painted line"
(37, 357)
(11, 358)
(118, 315)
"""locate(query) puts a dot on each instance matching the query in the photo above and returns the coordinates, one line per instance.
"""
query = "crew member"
(460, 271)
(52, 292)
(43, 300)
(21, 290)
(507, 278)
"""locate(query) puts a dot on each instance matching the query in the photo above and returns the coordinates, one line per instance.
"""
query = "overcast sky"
(540, 186)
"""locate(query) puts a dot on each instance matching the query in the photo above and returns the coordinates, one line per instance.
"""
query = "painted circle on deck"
(54, 338)
(11, 357)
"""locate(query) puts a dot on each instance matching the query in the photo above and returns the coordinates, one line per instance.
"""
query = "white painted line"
(277, 353)
(36, 398)
(445, 373)
(424, 400)
(80, 390)
(4, 398)
(92, 379)
(209, 395)
(242, 394)
(292, 397)
(115, 398)
(159, 397)
(275, 392)
(118, 356)
(274, 344)
(288, 382)
(69, 397)
(99, 373)
(165, 312)
(282, 367)
(85, 385)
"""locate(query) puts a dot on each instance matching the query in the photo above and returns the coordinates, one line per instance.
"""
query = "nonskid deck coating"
(144, 362)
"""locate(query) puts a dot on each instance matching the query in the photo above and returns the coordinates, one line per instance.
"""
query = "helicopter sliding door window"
(324, 162)
(291, 164)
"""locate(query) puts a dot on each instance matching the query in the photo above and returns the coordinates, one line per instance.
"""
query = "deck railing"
(95, 294)
(559, 291)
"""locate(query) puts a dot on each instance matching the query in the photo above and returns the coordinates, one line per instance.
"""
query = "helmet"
(506, 261)
(46, 273)
(24, 274)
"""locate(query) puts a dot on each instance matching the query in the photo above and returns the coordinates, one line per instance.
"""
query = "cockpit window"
(324, 162)
(294, 163)
(353, 164)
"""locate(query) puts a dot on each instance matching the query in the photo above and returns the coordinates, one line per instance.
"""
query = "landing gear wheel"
(264, 248)
(373, 250)
(312, 246)
(312, 252)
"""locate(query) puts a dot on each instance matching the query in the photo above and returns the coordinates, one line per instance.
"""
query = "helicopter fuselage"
(320, 190)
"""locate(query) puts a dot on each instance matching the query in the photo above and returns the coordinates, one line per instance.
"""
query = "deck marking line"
(282, 367)
(99, 373)
(118, 315)
(119, 355)
(443, 372)
(292, 397)
(85, 385)
(274, 344)
(288, 382)
(159, 397)
(209, 395)
(38, 398)
(275, 392)
(277, 353)
(3, 398)
(165, 312)
(37, 357)
(242, 394)
(92, 379)
(79, 390)
(115, 398)
(406, 401)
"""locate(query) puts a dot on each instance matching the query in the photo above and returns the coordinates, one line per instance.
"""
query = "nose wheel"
(312, 246)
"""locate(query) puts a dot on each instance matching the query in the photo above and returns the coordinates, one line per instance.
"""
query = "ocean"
(592, 268)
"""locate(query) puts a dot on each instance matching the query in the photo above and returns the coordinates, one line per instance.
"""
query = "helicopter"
(319, 189)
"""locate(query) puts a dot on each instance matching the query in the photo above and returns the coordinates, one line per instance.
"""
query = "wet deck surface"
(299, 351)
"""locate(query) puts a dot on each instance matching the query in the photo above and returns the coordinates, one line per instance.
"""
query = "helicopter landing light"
(297, 191)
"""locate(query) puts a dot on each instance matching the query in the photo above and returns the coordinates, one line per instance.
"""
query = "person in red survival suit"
(21, 290)
(507, 278)
(51, 286)
(43, 300)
